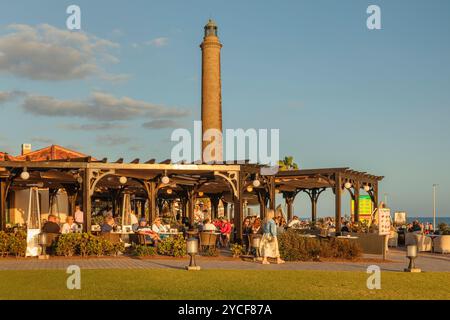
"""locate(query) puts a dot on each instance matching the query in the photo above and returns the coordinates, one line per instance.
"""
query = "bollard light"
(43, 242)
(411, 254)
(192, 250)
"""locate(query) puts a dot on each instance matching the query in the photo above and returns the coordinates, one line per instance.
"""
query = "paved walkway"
(396, 262)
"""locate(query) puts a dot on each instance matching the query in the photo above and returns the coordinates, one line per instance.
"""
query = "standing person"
(269, 241)
(246, 232)
(225, 232)
(79, 215)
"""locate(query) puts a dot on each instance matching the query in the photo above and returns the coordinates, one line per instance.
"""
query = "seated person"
(294, 223)
(144, 228)
(70, 226)
(108, 225)
(158, 227)
(51, 226)
(208, 226)
(345, 227)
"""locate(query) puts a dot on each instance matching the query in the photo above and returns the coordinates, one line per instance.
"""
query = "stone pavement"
(396, 262)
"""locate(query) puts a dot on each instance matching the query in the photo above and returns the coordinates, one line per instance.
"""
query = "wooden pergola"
(83, 178)
(315, 181)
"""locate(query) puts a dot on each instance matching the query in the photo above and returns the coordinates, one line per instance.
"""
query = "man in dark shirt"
(51, 226)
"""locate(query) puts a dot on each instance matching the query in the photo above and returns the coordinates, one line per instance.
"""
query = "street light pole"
(434, 206)
(385, 198)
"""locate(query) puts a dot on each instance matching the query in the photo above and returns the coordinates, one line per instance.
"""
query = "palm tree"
(287, 164)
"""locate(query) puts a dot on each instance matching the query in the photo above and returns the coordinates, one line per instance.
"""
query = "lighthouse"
(211, 95)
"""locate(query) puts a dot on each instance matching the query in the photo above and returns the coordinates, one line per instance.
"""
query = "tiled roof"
(53, 152)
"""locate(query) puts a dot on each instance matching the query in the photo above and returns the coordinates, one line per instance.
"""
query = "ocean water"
(429, 219)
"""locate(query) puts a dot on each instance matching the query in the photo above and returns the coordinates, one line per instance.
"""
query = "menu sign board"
(384, 221)
(365, 208)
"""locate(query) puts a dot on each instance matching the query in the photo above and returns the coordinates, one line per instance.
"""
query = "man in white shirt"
(79, 215)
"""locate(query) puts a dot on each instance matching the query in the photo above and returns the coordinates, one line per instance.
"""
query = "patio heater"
(126, 213)
(192, 250)
(33, 223)
(411, 254)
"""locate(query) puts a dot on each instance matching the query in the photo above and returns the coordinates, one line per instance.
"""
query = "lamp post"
(386, 198)
(411, 254)
(434, 206)
(192, 250)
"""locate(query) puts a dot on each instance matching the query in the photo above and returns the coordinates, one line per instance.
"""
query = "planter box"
(371, 243)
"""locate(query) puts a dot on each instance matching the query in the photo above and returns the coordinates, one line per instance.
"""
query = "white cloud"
(99, 106)
(158, 42)
(161, 124)
(7, 96)
(44, 52)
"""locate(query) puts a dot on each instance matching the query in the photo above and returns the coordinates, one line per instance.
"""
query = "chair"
(393, 239)
(442, 244)
(111, 237)
(255, 240)
(422, 242)
(207, 240)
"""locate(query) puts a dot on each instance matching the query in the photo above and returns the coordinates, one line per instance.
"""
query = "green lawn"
(221, 284)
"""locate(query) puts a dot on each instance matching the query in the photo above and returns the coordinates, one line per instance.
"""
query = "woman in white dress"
(269, 242)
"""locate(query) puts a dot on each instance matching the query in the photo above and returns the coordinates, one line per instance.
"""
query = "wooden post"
(272, 193)
(357, 188)
(338, 192)
(225, 209)
(214, 198)
(87, 200)
(289, 198)
(314, 197)
(3, 197)
(191, 205)
(238, 210)
(152, 195)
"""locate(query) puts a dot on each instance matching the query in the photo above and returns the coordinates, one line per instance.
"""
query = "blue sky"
(341, 95)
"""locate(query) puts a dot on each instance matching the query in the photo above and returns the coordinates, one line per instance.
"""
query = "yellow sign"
(365, 208)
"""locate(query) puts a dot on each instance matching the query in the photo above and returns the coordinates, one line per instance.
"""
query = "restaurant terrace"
(153, 184)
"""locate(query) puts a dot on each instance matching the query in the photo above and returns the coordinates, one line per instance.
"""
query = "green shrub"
(210, 252)
(4, 244)
(86, 244)
(294, 247)
(17, 243)
(236, 249)
(143, 251)
(172, 246)
(67, 244)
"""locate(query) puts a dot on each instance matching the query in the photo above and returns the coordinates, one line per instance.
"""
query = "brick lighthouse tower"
(211, 90)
